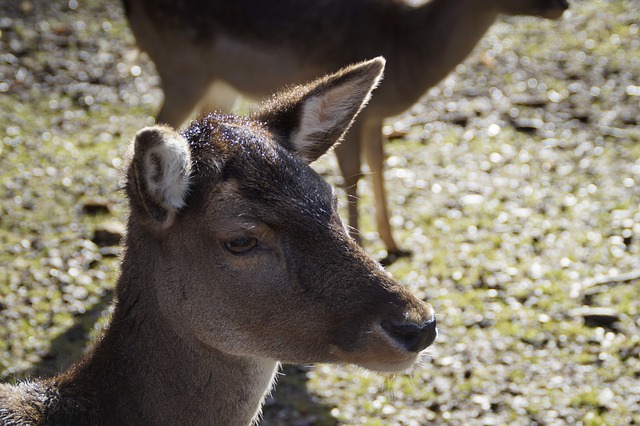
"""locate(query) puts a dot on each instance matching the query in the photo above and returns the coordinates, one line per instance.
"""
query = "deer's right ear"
(310, 119)
(159, 173)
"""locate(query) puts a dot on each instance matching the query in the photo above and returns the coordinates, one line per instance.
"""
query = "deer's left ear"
(310, 119)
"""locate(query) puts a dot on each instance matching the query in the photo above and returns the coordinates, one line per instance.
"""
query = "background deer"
(206, 51)
(235, 258)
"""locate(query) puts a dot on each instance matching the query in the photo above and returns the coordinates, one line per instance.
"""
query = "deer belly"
(255, 70)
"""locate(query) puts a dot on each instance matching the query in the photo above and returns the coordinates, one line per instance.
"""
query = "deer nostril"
(413, 337)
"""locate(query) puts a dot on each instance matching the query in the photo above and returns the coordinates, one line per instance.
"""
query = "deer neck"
(144, 371)
(433, 38)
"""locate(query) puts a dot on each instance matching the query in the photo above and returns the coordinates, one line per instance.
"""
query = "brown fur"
(235, 258)
(256, 46)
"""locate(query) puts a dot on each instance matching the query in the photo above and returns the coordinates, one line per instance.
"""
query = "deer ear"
(310, 119)
(159, 173)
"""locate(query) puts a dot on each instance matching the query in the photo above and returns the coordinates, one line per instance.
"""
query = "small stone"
(94, 208)
(527, 125)
(595, 316)
(27, 7)
(113, 251)
(108, 234)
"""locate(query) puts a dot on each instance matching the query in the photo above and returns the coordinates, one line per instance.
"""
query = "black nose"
(412, 336)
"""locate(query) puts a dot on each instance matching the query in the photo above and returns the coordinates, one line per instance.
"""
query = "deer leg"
(178, 107)
(348, 153)
(220, 97)
(182, 93)
(374, 154)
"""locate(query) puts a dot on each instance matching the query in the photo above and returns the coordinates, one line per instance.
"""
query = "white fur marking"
(169, 180)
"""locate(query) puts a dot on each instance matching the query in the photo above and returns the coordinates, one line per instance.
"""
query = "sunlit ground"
(514, 183)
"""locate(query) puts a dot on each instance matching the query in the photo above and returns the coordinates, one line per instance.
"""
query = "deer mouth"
(381, 360)
(390, 346)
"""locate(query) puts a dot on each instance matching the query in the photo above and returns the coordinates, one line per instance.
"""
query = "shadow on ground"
(70, 345)
(291, 404)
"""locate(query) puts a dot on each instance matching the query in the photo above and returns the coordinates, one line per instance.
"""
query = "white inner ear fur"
(323, 112)
(167, 168)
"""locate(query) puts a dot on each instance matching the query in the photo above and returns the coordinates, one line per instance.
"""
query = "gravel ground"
(514, 183)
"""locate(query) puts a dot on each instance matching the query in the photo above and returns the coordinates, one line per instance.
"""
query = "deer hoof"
(392, 256)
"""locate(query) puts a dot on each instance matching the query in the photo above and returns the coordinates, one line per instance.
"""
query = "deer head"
(250, 256)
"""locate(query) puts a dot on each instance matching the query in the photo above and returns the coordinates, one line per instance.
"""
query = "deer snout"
(412, 336)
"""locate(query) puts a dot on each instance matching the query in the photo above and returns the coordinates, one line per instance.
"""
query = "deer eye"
(241, 245)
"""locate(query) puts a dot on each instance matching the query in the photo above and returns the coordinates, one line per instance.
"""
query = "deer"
(206, 52)
(235, 260)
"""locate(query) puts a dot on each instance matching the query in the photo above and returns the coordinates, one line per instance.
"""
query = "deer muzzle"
(412, 336)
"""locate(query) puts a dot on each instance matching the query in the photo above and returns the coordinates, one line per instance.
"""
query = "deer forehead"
(217, 137)
(290, 207)
(254, 173)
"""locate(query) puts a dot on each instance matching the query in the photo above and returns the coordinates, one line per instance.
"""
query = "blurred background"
(514, 182)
